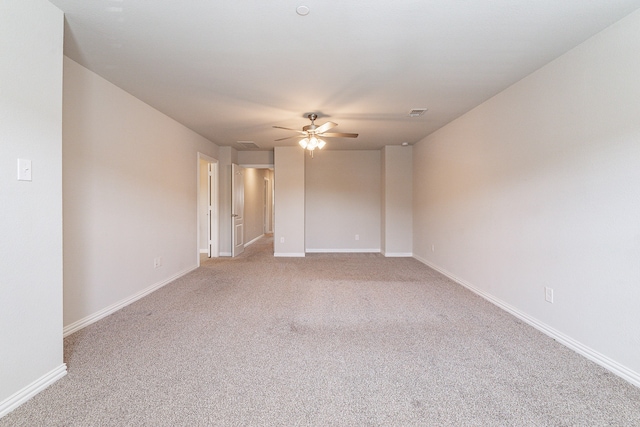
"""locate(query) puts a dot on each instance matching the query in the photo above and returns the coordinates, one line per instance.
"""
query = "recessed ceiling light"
(404, 144)
(302, 10)
(416, 112)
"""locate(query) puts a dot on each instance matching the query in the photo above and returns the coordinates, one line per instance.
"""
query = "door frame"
(213, 197)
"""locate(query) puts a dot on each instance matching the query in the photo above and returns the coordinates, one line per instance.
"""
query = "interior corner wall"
(539, 187)
(31, 39)
(130, 196)
(289, 195)
(397, 201)
(343, 201)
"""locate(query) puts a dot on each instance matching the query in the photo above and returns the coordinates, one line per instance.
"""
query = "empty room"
(320, 213)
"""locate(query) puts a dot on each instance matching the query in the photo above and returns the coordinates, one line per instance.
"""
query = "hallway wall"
(31, 38)
(539, 187)
(130, 197)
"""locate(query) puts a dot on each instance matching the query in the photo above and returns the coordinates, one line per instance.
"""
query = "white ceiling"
(231, 69)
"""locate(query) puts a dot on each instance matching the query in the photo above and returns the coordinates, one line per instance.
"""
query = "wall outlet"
(548, 295)
(157, 262)
(282, 240)
(357, 237)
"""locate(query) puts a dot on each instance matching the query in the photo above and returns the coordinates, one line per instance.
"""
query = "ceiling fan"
(312, 133)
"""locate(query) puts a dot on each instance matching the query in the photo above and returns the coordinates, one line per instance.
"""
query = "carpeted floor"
(326, 340)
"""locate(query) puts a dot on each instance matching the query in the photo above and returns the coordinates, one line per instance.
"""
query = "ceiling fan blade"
(289, 137)
(295, 130)
(338, 135)
(325, 127)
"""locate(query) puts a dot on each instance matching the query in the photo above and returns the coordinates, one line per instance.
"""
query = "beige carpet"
(327, 340)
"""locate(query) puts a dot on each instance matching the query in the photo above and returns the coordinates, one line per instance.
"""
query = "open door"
(211, 226)
(208, 213)
(237, 210)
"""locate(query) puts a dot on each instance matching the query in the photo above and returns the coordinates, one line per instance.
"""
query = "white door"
(265, 212)
(210, 213)
(237, 210)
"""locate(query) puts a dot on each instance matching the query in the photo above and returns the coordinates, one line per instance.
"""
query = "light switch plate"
(24, 170)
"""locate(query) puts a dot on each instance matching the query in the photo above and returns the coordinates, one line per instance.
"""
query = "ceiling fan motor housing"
(312, 126)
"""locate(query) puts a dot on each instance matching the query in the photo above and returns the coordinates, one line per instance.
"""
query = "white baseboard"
(343, 251)
(225, 253)
(253, 241)
(204, 251)
(20, 397)
(290, 255)
(398, 254)
(84, 322)
(596, 357)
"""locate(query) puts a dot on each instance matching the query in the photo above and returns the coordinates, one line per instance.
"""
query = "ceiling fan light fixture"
(311, 132)
(313, 143)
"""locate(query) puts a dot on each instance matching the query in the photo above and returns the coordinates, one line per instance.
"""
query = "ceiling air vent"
(248, 144)
(417, 112)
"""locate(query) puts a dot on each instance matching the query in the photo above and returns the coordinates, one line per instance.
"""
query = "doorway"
(252, 213)
(268, 204)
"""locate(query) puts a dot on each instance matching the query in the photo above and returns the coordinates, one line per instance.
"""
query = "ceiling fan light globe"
(321, 144)
(313, 142)
(304, 142)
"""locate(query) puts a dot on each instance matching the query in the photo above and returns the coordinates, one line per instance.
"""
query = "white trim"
(20, 397)
(204, 251)
(290, 255)
(591, 354)
(349, 251)
(84, 322)
(398, 255)
(253, 241)
(225, 254)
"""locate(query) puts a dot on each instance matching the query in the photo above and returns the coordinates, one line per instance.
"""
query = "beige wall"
(539, 187)
(343, 200)
(397, 201)
(130, 183)
(255, 159)
(31, 36)
(289, 202)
